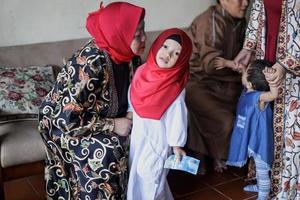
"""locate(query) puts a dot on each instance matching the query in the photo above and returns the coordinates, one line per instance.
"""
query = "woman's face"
(236, 8)
(168, 54)
(138, 42)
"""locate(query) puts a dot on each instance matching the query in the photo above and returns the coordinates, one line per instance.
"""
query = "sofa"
(21, 147)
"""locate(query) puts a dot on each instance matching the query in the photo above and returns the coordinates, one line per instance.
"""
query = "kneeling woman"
(82, 120)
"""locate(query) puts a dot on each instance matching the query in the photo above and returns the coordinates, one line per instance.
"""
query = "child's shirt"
(252, 134)
(171, 129)
(150, 145)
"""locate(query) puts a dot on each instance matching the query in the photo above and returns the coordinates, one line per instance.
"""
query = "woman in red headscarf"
(83, 119)
(159, 115)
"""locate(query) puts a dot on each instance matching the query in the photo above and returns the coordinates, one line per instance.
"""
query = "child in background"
(159, 115)
(252, 134)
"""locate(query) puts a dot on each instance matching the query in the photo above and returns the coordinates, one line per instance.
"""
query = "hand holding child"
(275, 77)
(269, 71)
(122, 126)
(179, 152)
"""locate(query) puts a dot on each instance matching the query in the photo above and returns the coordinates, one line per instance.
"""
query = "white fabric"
(151, 142)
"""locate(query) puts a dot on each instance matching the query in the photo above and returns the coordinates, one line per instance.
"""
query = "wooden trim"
(21, 171)
(1, 184)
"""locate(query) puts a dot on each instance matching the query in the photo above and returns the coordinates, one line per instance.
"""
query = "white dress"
(150, 145)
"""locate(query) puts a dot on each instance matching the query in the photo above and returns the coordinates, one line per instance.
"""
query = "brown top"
(215, 33)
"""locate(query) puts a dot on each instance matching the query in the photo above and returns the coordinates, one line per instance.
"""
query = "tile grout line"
(212, 187)
(247, 198)
(195, 191)
(235, 174)
(32, 187)
(215, 189)
(250, 197)
(225, 182)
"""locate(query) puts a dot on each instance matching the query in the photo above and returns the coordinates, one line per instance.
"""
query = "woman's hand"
(275, 79)
(179, 152)
(129, 115)
(122, 126)
(243, 57)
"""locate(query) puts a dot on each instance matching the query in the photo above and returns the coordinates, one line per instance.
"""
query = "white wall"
(35, 21)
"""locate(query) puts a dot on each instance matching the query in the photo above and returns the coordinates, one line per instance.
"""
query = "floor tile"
(251, 198)
(185, 186)
(37, 183)
(213, 178)
(182, 183)
(207, 194)
(241, 172)
(19, 189)
(234, 190)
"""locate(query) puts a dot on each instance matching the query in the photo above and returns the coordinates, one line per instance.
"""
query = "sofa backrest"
(50, 53)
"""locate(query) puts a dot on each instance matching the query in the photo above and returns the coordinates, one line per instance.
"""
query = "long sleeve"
(176, 122)
(208, 40)
(288, 50)
(215, 34)
(79, 101)
(257, 16)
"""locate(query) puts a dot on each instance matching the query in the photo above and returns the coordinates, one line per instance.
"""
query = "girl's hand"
(219, 63)
(179, 152)
(275, 79)
(122, 126)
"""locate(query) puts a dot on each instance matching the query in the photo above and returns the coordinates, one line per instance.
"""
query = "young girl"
(159, 115)
(252, 134)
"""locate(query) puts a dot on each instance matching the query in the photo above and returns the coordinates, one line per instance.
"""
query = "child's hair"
(176, 38)
(256, 76)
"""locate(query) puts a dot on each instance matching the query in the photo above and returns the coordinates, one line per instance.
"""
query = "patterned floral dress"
(85, 159)
(286, 165)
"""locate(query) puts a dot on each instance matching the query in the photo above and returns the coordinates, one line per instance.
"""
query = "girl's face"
(168, 54)
(138, 42)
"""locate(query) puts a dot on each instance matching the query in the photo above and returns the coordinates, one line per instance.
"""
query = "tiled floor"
(212, 186)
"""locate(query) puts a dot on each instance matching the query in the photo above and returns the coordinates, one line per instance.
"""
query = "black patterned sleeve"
(78, 103)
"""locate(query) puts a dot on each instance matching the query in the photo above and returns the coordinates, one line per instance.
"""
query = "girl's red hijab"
(153, 89)
(113, 28)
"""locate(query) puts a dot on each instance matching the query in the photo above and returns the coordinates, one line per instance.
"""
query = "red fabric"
(153, 89)
(113, 28)
(273, 10)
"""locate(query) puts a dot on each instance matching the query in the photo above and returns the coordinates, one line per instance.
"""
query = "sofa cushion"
(22, 89)
(20, 143)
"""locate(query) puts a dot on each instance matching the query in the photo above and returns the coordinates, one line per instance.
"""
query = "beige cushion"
(20, 143)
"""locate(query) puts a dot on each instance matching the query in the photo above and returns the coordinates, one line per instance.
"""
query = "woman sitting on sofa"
(83, 119)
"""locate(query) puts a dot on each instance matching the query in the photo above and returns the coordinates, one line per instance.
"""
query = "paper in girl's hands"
(187, 163)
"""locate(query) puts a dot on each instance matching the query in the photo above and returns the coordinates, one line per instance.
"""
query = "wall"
(36, 21)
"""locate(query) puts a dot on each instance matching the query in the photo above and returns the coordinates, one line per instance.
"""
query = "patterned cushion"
(22, 90)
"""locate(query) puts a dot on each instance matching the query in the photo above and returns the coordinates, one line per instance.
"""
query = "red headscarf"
(153, 89)
(113, 28)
